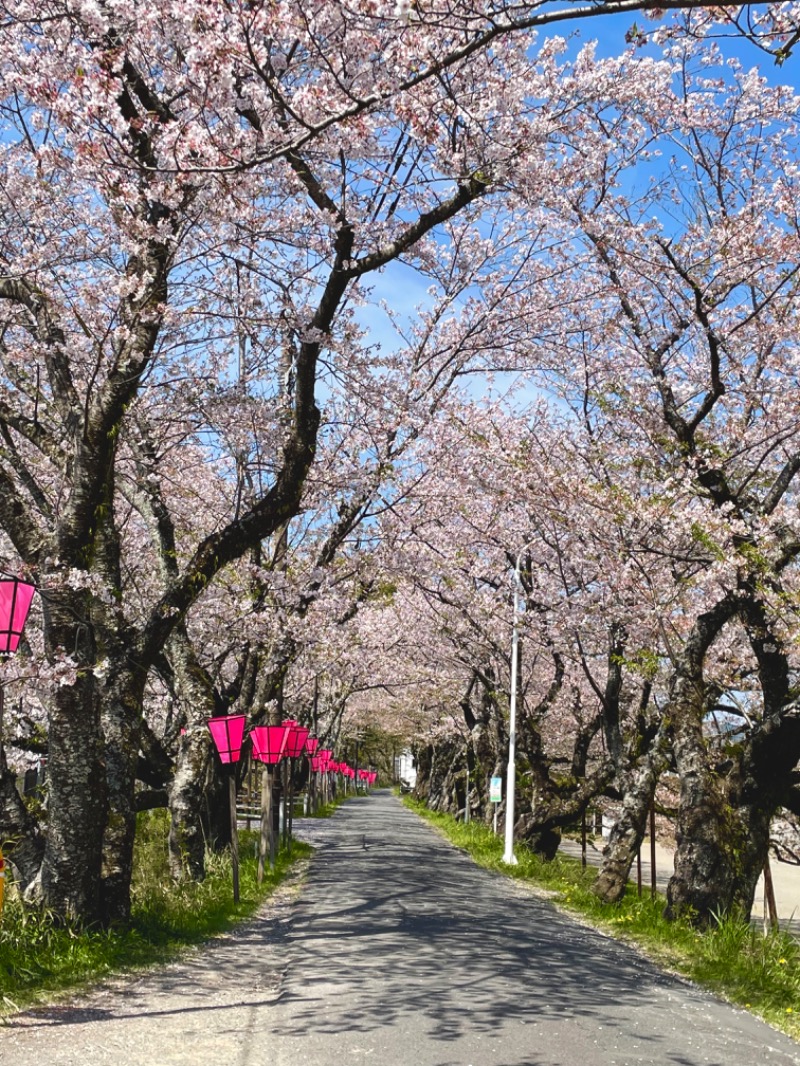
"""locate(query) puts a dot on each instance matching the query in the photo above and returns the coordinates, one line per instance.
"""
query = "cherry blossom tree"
(102, 125)
(187, 184)
(678, 334)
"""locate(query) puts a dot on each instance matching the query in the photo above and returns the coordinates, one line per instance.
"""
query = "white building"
(404, 768)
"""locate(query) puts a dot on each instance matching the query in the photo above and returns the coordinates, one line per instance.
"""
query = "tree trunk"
(489, 741)
(69, 878)
(423, 760)
(445, 756)
(121, 717)
(187, 800)
(69, 881)
(768, 757)
(708, 838)
(542, 838)
(187, 844)
(725, 811)
(628, 832)
(24, 844)
(554, 809)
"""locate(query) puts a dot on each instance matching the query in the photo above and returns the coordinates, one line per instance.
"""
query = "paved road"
(401, 953)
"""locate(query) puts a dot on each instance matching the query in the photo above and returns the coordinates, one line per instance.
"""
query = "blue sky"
(405, 290)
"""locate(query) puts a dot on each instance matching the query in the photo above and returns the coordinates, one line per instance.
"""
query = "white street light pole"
(508, 855)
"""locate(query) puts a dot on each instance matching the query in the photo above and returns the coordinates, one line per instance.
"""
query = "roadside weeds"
(42, 959)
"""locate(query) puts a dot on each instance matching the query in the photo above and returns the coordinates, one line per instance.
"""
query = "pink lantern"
(325, 753)
(311, 745)
(296, 741)
(15, 602)
(227, 733)
(316, 764)
(269, 743)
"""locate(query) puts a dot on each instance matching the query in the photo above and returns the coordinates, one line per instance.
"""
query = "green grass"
(325, 810)
(734, 959)
(39, 958)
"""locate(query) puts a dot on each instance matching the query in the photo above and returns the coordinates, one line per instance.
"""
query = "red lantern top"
(325, 753)
(15, 602)
(227, 733)
(311, 745)
(269, 743)
(296, 742)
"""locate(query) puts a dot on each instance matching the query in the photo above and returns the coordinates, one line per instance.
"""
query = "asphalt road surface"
(399, 952)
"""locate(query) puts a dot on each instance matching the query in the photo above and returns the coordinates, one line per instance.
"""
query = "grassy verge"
(325, 810)
(760, 973)
(39, 958)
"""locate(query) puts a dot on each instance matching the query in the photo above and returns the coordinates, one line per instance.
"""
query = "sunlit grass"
(325, 810)
(734, 959)
(39, 957)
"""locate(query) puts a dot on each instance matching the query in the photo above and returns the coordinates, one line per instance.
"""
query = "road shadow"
(407, 925)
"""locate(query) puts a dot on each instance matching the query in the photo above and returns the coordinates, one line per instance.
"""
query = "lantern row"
(271, 743)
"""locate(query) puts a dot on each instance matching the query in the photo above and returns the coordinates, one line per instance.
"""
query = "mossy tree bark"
(69, 880)
(629, 829)
(703, 881)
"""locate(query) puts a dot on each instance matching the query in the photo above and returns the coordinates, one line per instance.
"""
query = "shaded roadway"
(401, 952)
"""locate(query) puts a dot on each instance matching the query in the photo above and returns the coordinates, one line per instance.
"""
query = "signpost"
(495, 796)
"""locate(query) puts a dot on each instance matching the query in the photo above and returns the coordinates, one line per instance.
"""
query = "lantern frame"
(296, 738)
(227, 732)
(269, 743)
